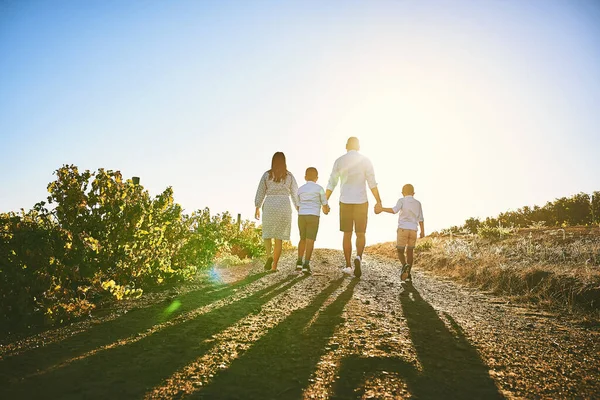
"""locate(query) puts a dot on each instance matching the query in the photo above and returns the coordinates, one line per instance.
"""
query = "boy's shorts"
(406, 238)
(353, 217)
(309, 226)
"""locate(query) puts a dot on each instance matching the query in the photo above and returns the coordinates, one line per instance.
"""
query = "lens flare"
(214, 275)
(172, 307)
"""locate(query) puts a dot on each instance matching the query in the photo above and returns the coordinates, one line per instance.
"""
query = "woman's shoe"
(268, 263)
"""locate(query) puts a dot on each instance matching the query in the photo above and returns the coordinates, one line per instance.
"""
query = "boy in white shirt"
(411, 216)
(312, 199)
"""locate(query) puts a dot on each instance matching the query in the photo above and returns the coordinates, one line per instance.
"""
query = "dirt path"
(265, 336)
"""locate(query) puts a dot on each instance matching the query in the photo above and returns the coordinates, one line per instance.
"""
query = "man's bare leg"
(347, 244)
(360, 244)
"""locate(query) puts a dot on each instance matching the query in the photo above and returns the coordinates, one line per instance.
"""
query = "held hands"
(378, 208)
(326, 209)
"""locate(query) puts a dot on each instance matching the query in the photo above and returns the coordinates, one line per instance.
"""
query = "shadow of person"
(450, 367)
(280, 364)
(131, 368)
(20, 365)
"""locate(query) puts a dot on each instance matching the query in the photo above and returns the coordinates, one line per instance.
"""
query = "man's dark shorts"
(309, 226)
(353, 217)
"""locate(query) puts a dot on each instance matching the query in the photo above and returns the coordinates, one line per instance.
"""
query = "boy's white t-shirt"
(411, 213)
(312, 197)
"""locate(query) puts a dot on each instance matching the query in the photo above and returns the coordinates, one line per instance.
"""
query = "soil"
(242, 333)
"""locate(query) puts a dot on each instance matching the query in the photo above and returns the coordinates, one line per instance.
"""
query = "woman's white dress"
(274, 197)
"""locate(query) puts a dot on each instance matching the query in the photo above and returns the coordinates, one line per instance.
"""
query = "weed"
(494, 232)
(424, 245)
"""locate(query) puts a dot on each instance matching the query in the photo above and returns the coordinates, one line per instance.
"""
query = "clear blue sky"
(484, 106)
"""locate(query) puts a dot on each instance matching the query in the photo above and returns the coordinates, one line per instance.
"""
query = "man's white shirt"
(411, 212)
(312, 197)
(353, 170)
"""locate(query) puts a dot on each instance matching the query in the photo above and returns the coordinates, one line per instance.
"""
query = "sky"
(484, 106)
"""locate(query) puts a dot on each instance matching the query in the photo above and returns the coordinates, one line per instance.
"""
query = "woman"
(273, 194)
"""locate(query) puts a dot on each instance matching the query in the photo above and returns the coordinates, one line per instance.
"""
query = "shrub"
(494, 232)
(472, 225)
(595, 207)
(424, 245)
(579, 209)
(100, 237)
(36, 283)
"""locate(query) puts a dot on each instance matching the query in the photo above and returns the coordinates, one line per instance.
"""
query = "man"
(353, 170)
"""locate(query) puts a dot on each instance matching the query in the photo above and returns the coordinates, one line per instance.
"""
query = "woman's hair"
(278, 171)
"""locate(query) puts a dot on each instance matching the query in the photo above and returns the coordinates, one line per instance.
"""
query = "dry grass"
(555, 268)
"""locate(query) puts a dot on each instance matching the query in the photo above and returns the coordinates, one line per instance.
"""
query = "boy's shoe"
(357, 269)
(348, 271)
(299, 265)
(268, 263)
(405, 274)
(306, 268)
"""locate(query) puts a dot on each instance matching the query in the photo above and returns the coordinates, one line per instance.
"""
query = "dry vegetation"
(554, 268)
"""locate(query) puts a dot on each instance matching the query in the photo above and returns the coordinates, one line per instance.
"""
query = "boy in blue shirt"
(411, 217)
(312, 199)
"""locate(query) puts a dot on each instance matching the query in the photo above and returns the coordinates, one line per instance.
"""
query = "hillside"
(558, 268)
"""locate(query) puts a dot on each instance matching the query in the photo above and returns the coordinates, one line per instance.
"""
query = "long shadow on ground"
(450, 366)
(130, 370)
(280, 364)
(136, 321)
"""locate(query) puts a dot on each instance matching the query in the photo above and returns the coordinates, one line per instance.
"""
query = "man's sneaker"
(357, 270)
(405, 274)
(299, 265)
(348, 271)
(306, 268)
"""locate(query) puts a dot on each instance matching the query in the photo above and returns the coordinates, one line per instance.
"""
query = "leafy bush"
(472, 225)
(595, 207)
(100, 237)
(36, 283)
(118, 232)
(248, 241)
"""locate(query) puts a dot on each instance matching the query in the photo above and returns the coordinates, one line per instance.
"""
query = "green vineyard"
(98, 238)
